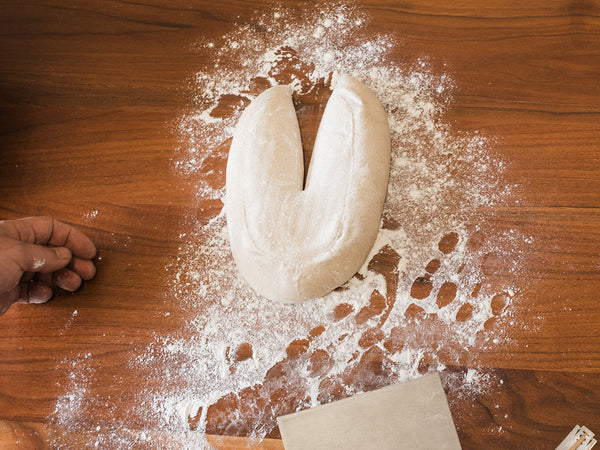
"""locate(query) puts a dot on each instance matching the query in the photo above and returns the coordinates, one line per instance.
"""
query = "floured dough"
(410, 415)
(293, 244)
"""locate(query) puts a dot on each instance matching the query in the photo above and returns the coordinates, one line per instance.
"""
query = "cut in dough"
(293, 244)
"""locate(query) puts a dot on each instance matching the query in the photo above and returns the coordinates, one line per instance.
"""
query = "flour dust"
(423, 300)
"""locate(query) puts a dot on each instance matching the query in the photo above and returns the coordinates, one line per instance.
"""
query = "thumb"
(27, 292)
(40, 258)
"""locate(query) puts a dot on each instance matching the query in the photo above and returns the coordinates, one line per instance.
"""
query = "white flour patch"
(425, 298)
(91, 215)
(71, 404)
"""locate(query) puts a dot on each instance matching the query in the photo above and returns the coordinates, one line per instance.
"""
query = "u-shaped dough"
(293, 244)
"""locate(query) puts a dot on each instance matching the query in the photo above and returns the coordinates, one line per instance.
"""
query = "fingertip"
(35, 293)
(81, 244)
(40, 293)
(91, 250)
(68, 280)
(64, 235)
(63, 253)
(83, 267)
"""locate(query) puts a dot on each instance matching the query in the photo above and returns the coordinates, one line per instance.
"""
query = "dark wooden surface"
(89, 94)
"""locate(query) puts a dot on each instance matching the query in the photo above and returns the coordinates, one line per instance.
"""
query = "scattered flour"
(422, 301)
(76, 391)
(38, 263)
(91, 215)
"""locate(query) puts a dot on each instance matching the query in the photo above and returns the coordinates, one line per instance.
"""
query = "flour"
(73, 400)
(91, 215)
(423, 299)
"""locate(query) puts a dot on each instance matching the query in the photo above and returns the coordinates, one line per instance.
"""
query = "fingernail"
(62, 252)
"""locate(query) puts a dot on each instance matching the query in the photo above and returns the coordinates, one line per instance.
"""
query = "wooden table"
(91, 96)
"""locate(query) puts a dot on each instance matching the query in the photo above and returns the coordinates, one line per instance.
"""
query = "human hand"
(39, 253)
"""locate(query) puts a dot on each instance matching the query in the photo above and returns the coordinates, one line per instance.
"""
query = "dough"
(293, 244)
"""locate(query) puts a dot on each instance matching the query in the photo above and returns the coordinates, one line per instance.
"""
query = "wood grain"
(90, 94)
(18, 435)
